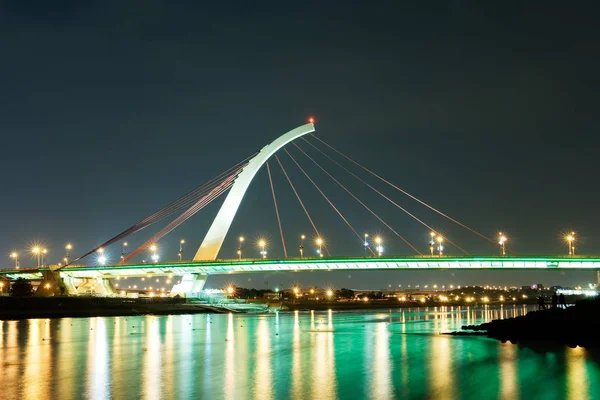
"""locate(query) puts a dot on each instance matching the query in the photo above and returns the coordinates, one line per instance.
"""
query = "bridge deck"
(316, 264)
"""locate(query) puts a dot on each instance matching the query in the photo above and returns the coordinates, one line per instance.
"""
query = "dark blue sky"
(110, 110)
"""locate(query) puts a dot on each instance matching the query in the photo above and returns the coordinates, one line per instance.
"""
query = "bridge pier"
(191, 285)
(75, 286)
(51, 285)
(598, 278)
(101, 286)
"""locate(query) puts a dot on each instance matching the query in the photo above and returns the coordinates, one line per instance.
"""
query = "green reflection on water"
(324, 355)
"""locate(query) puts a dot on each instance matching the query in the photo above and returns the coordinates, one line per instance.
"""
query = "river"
(286, 355)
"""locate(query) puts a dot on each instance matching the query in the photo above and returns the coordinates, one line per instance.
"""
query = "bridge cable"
(301, 203)
(276, 210)
(385, 197)
(200, 204)
(326, 198)
(190, 197)
(107, 243)
(357, 199)
(183, 202)
(405, 192)
(168, 209)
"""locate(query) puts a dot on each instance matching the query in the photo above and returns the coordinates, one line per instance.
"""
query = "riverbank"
(574, 326)
(12, 308)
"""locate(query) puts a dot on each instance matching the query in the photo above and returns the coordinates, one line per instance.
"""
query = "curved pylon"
(209, 249)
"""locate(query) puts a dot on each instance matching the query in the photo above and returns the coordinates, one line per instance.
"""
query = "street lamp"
(320, 244)
(68, 248)
(378, 242)
(262, 243)
(432, 243)
(240, 247)
(570, 240)
(366, 243)
(43, 253)
(154, 249)
(124, 250)
(301, 247)
(36, 252)
(101, 256)
(180, 254)
(15, 255)
(440, 240)
(230, 290)
(502, 242)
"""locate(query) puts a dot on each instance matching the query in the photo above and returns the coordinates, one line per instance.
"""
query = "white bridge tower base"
(209, 249)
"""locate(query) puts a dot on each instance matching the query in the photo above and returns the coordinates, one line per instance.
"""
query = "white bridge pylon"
(209, 249)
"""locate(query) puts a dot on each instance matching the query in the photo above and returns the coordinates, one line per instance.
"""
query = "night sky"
(110, 110)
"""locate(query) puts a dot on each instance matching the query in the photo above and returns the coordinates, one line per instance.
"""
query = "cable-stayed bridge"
(234, 182)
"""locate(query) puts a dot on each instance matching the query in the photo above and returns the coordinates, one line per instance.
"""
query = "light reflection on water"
(324, 355)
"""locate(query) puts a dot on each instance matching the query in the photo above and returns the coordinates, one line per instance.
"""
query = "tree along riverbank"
(12, 308)
(577, 325)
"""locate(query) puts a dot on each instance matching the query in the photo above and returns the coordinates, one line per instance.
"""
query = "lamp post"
(262, 244)
(240, 247)
(15, 255)
(68, 248)
(378, 242)
(432, 243)
(43, 253)
(154, 256)
(320, 244)
(570, 240)
(230, 291)
(440, 240)
(180, 254)
(301, 247)
(36, 252)
(502, 242)
(366, 243)
(124, 250)
(101, 256)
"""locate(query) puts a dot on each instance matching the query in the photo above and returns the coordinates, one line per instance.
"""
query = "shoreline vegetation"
(574, 326)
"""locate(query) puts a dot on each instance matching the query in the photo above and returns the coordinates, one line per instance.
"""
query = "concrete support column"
(100, 286)
(598, 278)
(70, 285)
(191, 285)
(51, 285)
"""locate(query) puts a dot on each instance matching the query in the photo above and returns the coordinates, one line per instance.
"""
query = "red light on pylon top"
(311, 120)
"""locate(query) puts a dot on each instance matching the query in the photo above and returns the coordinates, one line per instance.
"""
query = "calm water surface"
(320, 355)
